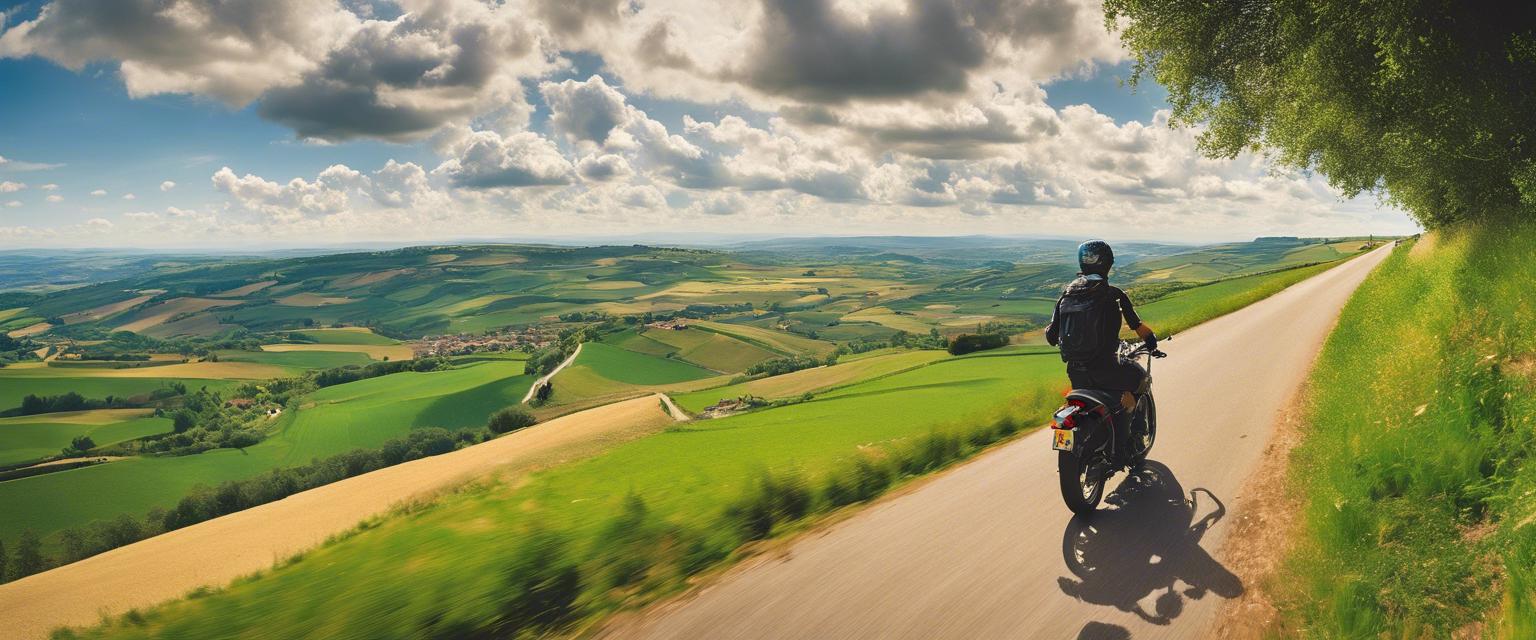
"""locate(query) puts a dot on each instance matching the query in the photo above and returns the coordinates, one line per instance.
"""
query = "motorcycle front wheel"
(1082, 486)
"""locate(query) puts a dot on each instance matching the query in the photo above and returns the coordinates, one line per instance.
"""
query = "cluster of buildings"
(675, 324)
(528, 338)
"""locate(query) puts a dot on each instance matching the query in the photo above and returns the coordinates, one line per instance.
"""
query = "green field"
(333, 420)
(25, 438)
(707, 349)
(803, 296)
(1415, 474)
(776, 341)
(604, 370)
(14, 387)
(298, 360)
(344, 336)
(683, 475)
(810, 380)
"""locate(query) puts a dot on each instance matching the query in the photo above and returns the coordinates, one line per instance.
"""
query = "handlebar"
(1133, 349)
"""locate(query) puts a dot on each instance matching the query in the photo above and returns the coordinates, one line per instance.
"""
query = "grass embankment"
(1418, 496)
(1189, 307)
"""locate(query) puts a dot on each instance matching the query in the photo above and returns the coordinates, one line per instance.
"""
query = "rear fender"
(1093, 432)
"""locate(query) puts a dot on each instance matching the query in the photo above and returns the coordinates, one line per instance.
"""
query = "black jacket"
(1097, 284)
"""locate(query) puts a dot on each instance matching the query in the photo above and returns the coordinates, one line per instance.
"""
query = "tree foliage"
(510, 419)
(1426, 103)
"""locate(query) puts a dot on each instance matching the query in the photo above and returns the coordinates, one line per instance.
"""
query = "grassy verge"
(1189, 307)
(1418, 502)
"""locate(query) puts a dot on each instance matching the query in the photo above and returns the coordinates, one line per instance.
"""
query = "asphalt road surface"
(988, 550)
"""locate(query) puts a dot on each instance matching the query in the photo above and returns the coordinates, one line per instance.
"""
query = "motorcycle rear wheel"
(1079, 488)
(1143, 423)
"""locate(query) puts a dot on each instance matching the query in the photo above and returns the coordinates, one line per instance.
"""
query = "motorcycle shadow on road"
(1142, 553)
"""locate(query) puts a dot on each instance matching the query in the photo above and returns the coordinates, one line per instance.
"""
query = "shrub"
(183, 420)
(626, 548)
(931, 451)
(972, 342)
(79, 445)
(542, 585)
(860, 479)
(510, 419)
(767, 501)
(29, 555)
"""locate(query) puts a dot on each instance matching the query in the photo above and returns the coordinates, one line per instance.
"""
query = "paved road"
(989, 551)
(219, 550)
(551, 375)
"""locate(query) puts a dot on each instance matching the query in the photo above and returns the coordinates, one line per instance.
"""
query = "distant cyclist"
(1085, 325)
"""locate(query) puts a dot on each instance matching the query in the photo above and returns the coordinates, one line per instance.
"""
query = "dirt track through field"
(988, 550)
(214, 552)
(551, 375)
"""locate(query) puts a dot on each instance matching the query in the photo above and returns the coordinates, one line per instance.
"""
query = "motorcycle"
(1089, 449)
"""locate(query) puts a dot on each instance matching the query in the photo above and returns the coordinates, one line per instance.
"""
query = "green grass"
(777, 341)
(334, 420)
(463, 544)
(14, 388)
(603, 370)
(298, 360)
(628, 367)
(1414, 473)
(345, 336)
(24, 438)
(811, 380)
(704, 348)
(1187, 308)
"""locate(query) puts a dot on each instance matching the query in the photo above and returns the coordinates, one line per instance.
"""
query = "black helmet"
(1095, 256)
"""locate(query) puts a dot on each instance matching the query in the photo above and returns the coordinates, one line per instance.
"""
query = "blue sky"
(695, 140)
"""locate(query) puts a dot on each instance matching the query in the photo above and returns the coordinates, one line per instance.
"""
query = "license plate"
(1061, 439)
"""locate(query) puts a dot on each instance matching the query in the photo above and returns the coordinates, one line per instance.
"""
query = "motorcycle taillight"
(1066, 417)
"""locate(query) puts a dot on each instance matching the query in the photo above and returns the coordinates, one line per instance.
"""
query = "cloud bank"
(799, 115)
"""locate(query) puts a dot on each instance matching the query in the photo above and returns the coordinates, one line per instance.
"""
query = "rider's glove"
(1152, 342)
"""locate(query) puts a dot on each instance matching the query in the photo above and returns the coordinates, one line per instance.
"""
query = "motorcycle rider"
(1085, 326)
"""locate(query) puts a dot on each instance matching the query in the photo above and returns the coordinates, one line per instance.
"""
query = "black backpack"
(1085, 322)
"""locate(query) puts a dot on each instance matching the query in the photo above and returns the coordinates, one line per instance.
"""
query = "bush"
(933, 450)
(863, 478)
(79, 445)
(510, 419)
(183, 420)
(973, 342)
(626, 549)
(769, 500)
(542, 586)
